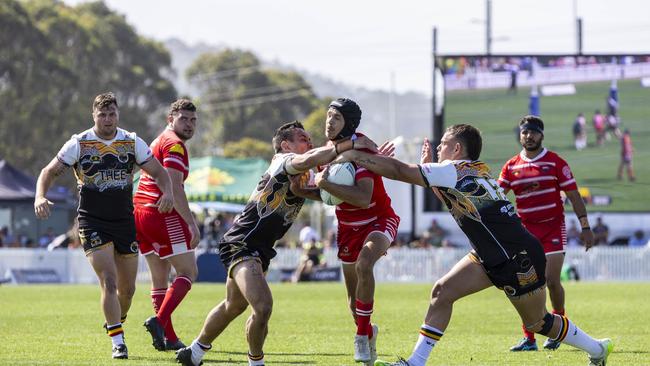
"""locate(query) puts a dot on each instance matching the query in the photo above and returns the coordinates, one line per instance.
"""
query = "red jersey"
(537, 183)
(348, 214)
(171, 152)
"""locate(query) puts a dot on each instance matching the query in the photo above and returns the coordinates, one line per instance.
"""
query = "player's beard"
(532, 145)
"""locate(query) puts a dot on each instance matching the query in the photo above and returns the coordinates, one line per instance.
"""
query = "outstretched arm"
(324, 155)
(390, 168)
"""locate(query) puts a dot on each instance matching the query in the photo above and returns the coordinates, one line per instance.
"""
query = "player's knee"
(441, 293)
(542, 326)
(363, 266)
(263, 309)
(109, 284)
(236, 308)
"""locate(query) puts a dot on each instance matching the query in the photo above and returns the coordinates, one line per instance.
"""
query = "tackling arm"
(390, 168)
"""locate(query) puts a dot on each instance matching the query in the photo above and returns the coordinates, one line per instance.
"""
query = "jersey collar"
(523, 157)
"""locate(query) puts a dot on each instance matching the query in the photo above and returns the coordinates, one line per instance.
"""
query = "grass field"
(61, 325)
(496, 113)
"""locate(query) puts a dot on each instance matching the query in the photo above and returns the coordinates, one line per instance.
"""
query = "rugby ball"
(342, 174)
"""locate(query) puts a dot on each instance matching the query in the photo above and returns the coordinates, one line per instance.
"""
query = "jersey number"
(495, 191)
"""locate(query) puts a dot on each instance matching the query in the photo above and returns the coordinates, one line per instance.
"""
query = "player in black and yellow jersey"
(104, 158)
(504, 253)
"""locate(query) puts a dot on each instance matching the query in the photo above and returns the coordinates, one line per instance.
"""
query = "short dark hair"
(533, 120)
(182, 104)
(104, 100)
(468, 136)
(284, 133)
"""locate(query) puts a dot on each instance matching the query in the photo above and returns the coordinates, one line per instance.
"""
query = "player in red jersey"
(536, 176)
(168, 239)
(367, 227)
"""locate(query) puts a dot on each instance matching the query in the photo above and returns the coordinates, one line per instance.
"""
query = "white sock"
(257, 362)
(577, 338)
(118, 338)
(198, 350)
(427, 339)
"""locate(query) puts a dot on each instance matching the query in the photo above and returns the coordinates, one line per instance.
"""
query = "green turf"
(496, 113)
(61, 325)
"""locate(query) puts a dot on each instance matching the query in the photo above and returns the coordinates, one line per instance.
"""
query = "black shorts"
(235, 252)
(520, 275)
(121, 238)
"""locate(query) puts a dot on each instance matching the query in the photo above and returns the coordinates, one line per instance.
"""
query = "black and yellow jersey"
(480, 207)
(270, 211)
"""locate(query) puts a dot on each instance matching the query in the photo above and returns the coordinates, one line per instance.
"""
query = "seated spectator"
(573, 235)
(308, 235)
(437, 235)
(46, 238)
(312, 258)
(638, 239)
(601, 232)
(424, 241)
(8, 240)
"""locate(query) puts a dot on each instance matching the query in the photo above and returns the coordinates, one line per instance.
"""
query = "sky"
(381, 44)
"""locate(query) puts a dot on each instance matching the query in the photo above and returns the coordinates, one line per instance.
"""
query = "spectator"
(627, 151)
(46, 238)
(514, 70)
(579, 132)
(423, 242)
(638, 239)
(601, 232)
(598, 121)
(437, 235)
(573, 235)
(312, 258)
(8, 240)
(308, 235)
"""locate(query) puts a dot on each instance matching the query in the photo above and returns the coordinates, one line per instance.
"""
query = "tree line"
(54, 58)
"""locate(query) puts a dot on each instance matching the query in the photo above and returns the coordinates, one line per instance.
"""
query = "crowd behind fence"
(400, 265)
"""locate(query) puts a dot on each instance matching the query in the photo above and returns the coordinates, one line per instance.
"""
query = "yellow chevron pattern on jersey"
(177, 148)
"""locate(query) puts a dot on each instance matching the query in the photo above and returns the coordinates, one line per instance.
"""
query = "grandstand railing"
(400, 265)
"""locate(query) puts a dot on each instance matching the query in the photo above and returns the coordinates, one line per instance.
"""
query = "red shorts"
(551, 233)
(163, 234)
(351, 238)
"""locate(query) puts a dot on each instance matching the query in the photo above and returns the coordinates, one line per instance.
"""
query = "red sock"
(175, 294)
(157, 297)
(364, 311)
(528, 334)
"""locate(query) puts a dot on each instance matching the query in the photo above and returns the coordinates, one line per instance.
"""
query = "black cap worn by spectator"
(351, 116)
(532, 123)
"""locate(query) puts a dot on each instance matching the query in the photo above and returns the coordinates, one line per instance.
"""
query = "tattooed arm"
(388, 167)
(45, 180)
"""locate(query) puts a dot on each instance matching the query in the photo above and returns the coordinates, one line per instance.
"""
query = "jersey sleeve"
(69, 153)
(175, 156)
(565, 178)
(287, 166)
(142, 151)
(504, 178)
(439, 174)
(361, 173)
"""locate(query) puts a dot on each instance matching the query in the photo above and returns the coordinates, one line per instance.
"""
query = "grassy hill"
(497, 113)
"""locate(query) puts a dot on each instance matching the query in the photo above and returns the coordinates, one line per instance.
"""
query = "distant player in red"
(536, 176)
(627, 151)
(367, 227)
(168, 239)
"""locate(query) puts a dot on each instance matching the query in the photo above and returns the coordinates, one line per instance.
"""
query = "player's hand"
(165, 203)
(322, 176)
(426, 155)
(196, 235)
(387, 149)
(298, 182)
(363, 142)
(587, 237)
(42, 207)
